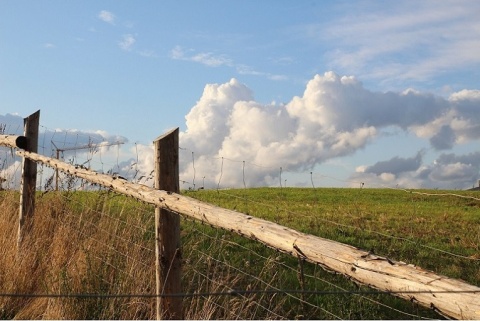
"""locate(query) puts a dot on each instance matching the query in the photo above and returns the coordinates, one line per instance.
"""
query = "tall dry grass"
(75, 248)
(103, 243)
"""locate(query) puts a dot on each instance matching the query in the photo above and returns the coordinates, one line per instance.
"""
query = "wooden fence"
(450, 297)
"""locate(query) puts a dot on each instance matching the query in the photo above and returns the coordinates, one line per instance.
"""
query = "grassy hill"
(102, 243)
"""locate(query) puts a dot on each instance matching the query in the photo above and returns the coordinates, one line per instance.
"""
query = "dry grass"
(73, 250)
(103, 244)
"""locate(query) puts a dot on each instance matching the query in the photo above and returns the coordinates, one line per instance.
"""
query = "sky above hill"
(380, 92)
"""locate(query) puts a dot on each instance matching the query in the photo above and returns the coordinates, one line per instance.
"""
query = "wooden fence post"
(167, 229)
(29, 177)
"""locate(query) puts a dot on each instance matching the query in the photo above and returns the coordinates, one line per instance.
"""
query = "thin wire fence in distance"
(439, 233)
(267, 284)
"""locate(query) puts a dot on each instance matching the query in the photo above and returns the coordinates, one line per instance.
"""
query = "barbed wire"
(288, 267)
(435, 194)
(114, 218)
(106, 232)
(233, 292)
(227, 241)
(269, 285)
(297, 214)
(284, 169)
(72, 138)
(230, 292)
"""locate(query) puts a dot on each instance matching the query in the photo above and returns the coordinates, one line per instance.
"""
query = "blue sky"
(381, 92)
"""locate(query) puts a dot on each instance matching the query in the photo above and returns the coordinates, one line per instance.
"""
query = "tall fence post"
(167, 229)
(29, 177)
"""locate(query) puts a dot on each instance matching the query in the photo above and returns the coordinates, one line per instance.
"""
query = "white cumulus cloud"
(335, 117)
(231, 140)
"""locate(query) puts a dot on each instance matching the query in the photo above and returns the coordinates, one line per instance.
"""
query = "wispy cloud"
(127, 42)
(284, 61)
(107, 16)
(49, 45)
(247, 70)
(205, 58)
(212, 60)
(407, 40)
(148, 53)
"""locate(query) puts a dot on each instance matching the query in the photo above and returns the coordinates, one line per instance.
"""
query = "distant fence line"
(450, 297)
(94, 151)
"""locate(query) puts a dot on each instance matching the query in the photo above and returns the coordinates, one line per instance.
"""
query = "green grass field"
(405, 226)
(103, 243)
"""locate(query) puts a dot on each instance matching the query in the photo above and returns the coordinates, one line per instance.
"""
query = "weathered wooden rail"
(450, 297)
